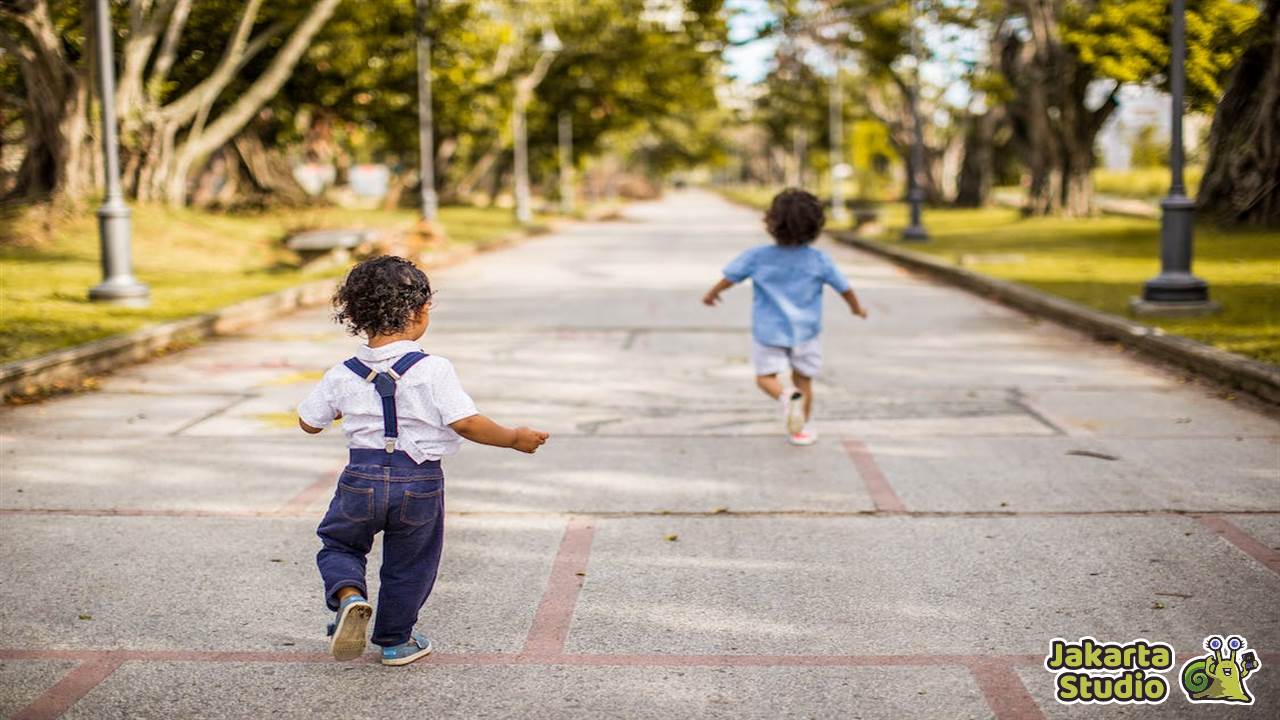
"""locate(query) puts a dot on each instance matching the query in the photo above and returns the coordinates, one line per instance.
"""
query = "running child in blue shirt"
(402, 411)
(787, 279)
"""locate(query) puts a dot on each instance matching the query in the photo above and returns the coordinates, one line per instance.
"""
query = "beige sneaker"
(794, 406)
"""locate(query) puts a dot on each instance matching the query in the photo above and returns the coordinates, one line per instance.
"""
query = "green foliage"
(1149, 150)
(620, 75)
(794, 97)
(614, 72)
(1128, 41)
(872, 156)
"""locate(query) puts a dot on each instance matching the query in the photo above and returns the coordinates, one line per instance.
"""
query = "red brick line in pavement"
(550, 627)
(1246, 543)
(625, 514)
(994, 675)
(878, 487)
(77, 683)
(1003, 690)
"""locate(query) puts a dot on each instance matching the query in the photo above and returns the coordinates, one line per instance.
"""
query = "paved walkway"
(984, 483)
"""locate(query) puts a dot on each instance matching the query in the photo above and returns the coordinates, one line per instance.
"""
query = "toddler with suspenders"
(402, 410)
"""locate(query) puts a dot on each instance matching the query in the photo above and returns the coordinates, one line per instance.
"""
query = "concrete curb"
(1251, 376)
(69, 369)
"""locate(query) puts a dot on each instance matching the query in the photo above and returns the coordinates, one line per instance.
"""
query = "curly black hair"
(380, 296)
(795, 217)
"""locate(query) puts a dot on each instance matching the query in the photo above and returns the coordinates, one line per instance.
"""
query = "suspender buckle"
(390, 445)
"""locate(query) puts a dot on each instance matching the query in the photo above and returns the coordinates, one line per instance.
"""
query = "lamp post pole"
(520, 143)
(915, 231)
(118, 285)
(839, 213)
(426, 130)
(1175, 291)
(566, 162)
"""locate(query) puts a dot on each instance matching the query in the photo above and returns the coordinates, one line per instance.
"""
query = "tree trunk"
(978, 169)
(1053, 128)
(268, 170)
(1241, 183)
(57, 158)
(941, 154)
(203, 140)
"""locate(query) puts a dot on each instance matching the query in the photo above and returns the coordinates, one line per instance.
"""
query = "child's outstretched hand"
(712, 298)
(855, 307)
(529, 440)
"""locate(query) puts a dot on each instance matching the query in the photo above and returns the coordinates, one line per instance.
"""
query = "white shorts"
(805, 358)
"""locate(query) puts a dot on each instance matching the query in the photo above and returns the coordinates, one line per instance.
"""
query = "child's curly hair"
(795, 217)
(380, 296)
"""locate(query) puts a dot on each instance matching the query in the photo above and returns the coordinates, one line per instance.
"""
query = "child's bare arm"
(312, 430)
(713, 295)
(480, 429)
(855, 307)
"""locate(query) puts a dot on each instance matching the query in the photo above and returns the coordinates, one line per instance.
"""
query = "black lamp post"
(915, 232)
(1175, 291)
(118, 286)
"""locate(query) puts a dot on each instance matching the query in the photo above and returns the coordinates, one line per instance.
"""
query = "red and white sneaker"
(806, 436)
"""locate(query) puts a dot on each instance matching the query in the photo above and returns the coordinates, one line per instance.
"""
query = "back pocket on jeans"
(419, 508)
(355, 504)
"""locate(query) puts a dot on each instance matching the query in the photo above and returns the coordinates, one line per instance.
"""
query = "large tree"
(1053, 53)
(1241, 182)
(180, 95)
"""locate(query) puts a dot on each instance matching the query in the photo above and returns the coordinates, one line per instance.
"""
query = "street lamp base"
(915, 233)
(1138, 306)
(1175, 287)
(125, 291)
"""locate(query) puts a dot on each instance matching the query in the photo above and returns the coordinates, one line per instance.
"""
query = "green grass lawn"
(1102, 262)
(194, 262)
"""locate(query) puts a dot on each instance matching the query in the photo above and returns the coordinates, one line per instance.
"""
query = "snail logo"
(1219, 677)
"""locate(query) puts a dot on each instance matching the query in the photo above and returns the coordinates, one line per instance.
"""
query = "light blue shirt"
(787, 282)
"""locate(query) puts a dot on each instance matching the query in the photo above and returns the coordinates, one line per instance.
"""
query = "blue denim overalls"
(385, 491)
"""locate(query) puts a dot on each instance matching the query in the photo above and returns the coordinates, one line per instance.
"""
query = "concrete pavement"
(984, 483)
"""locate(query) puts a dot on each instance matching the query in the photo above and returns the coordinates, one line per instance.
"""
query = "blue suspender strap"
(360, 369)
(385, 384)
(405, 362)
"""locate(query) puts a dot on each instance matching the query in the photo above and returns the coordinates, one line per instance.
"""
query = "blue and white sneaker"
(348, 630)
(417, 647)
